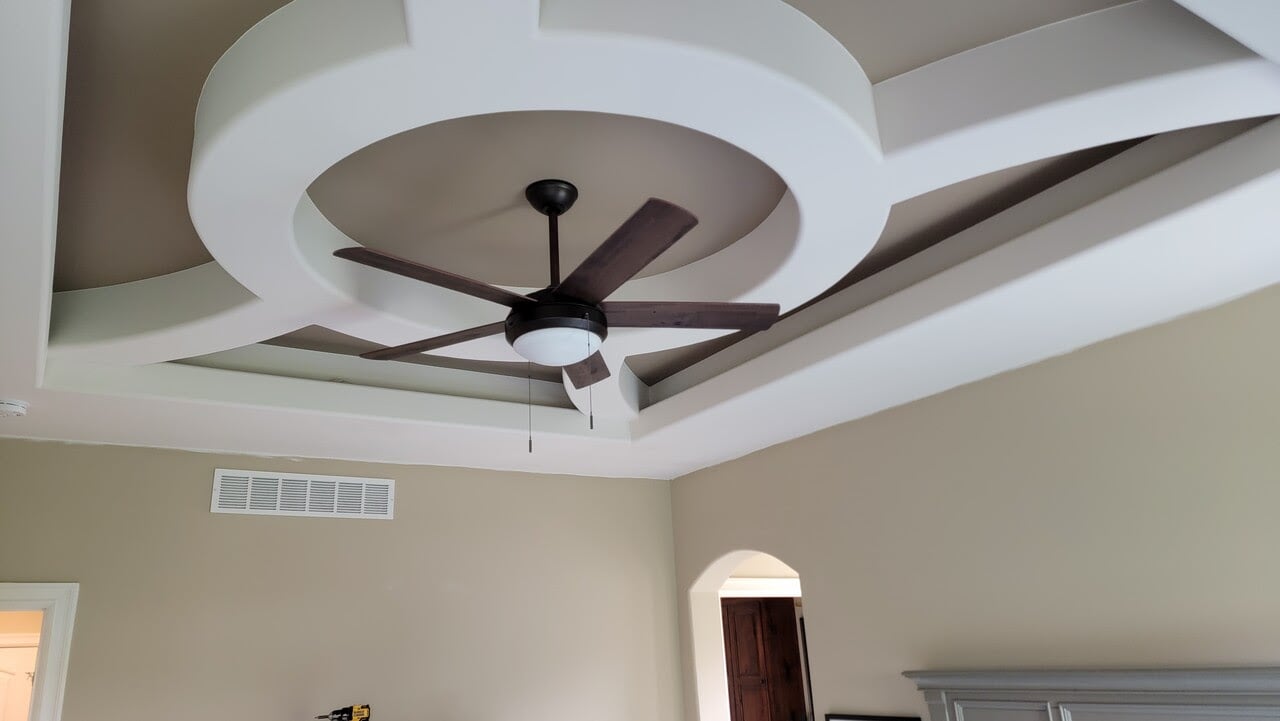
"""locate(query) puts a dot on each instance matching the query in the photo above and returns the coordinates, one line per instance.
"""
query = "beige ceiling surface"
(134, 73)
(452, 194)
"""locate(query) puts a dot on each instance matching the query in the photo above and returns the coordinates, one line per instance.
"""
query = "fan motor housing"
(556, 314)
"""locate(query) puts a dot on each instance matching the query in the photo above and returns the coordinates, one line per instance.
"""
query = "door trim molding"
(741, 587)
(58, 602)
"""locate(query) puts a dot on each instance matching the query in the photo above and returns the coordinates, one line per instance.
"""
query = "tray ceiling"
(452, 194)
(449, 194)
(134, 73)
(1003, 198)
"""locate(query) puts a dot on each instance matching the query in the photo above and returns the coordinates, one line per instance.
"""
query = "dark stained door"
(744, 648)
(762, 654)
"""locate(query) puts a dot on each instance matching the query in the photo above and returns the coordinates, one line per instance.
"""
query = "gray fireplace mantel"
(1222, 694)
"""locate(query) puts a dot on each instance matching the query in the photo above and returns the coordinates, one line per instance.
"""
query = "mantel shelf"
(1256, 680)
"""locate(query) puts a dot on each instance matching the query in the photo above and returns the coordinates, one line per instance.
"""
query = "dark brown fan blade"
(440, 341)
(662, 314)
(434, 276)
(588, 372)
(656, 226)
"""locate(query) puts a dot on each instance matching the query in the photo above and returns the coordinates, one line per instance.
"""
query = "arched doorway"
(740, 608)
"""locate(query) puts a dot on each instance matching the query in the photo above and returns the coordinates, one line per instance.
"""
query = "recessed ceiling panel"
(451, 194)
(135, 69)
(134, 73)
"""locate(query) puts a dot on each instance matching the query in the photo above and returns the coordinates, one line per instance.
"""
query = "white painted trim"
(1199, 711)
(760, 588)
(19, 640)
(706, 627)
(1220, 680)
(58, 602)
(1034, 706)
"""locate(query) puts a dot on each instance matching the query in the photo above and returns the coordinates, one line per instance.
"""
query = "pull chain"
(591, 405)
(528, 377)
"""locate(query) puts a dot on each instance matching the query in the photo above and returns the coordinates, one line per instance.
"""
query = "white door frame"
(58, 602)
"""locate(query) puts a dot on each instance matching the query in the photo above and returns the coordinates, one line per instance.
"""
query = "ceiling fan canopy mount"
(551, 196)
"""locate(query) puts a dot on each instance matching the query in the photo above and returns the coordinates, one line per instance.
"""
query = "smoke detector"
(12, 408)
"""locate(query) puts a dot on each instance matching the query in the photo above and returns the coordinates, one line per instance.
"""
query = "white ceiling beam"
(1254, 23)
(1144, 255)
(1126, 72)
(189, 313)
(33, 69)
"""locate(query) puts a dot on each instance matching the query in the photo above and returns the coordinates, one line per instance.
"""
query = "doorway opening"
(35, 642)
(750, 656)
(19, 645)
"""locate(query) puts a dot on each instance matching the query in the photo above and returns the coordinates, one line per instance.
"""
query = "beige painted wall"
(1117, 506)
(490, 597)
(20, 621)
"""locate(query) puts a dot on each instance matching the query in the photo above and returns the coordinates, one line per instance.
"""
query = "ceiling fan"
(564, 323)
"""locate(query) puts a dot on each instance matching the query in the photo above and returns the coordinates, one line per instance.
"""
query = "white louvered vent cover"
(296, 494)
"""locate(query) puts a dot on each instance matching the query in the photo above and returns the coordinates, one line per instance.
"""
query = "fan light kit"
(564, 324)
(556, 346)
(556, 333)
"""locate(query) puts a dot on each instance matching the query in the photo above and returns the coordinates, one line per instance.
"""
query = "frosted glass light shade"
(557, 346)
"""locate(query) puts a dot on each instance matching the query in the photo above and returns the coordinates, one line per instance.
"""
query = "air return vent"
(293, 494)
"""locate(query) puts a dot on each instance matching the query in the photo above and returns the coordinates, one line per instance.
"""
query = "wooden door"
(762, 655)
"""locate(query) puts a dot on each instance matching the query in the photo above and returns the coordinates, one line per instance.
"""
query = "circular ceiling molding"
(450, 194)
(280, 109)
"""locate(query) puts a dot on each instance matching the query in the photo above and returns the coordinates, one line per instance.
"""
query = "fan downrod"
(551, 196)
